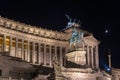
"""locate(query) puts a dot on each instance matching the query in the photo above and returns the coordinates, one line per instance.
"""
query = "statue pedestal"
(78, 57)
(60, 78)
(57, 78)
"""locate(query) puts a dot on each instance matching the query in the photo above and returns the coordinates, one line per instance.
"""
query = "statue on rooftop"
(71, 23)
(68, 17)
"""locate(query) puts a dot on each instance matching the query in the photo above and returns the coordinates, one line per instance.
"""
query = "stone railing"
(9, 78)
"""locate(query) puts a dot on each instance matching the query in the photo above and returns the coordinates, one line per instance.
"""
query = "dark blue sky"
(95, 16)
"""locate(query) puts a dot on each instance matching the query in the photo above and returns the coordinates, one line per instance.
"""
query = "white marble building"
(116, 74)
(25, 48)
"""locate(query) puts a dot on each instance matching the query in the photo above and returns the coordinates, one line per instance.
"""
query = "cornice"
(34, 30)
(91, 39)
(115, 69)
(32, 38)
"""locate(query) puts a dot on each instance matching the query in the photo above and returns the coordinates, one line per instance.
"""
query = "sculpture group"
(76, 38)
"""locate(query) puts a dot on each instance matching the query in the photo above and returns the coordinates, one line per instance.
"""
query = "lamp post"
(109, 58)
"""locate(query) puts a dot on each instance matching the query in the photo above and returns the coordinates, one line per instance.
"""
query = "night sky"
(101, 17)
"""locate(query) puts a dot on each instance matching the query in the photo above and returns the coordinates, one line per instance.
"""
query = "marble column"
(25, 51)
(50, 56)
(44, 54)
(33, 53)
(10, 47)
(88, 56)
(55, 52)
(4, 43)
(39, 59)
(66, 51)
(61, 60)
(97, 57)
(92, 56)
(28, 51)
(22, 50)
(16, 47)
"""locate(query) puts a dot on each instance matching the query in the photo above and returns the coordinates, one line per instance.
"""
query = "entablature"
(17, 26)
(32, 38)
(90, 40)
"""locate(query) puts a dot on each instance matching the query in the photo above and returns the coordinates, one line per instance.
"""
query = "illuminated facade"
(25, 49)
(116, 74)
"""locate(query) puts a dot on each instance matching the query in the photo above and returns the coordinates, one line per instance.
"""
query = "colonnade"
(42, 53)
(92, 58)
(31, 51)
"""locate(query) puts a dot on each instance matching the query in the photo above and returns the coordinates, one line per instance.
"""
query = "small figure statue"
(57, 67)
(72, 23)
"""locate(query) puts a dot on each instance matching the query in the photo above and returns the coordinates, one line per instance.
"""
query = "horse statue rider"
(76, 38)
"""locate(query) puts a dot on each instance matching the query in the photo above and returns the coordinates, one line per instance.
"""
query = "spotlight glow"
(106, 67)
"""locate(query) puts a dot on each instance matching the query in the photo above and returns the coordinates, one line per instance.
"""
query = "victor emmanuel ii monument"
(33, 53)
